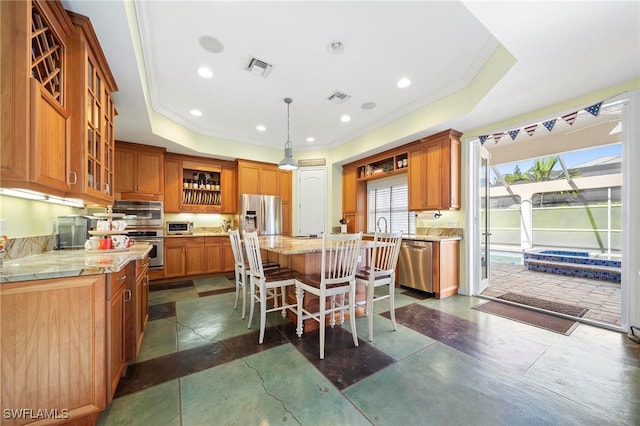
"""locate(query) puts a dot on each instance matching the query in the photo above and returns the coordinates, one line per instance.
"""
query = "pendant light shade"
(288, 163)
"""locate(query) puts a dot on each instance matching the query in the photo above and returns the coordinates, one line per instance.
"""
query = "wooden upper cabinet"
(349, 189)
(92, 130)
(172, 184)
(220, 196)
(285, 180)
(434, 172)
(35, 98)
(258, 178)
(228, 193)
(139, 172)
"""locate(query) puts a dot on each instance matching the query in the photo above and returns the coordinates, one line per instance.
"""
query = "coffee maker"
(74, 230)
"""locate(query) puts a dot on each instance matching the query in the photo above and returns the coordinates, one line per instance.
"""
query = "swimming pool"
(573, 263)
(510, 257)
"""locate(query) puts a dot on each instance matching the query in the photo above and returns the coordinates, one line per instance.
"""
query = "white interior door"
(312, 196)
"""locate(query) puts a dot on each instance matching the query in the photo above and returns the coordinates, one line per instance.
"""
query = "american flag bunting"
(570, 118)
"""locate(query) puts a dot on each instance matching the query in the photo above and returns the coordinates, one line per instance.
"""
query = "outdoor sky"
(571, 159)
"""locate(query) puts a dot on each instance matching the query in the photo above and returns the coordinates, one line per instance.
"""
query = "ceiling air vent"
(258, 67)
(338, 97)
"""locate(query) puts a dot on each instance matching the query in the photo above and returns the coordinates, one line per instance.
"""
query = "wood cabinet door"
(172, 185)
(174, 259)
(50, 149)
(125, 170)
(150, 172)
(454, 173)
(248, 178)
(432, 178)
(213, 255)
(115, 341)
(286, 218)
(194, 258)
(285, 177)
(349, 190)
(415, 179)
(228, 191)
(227, 254)
(269, 181)
(51, 363)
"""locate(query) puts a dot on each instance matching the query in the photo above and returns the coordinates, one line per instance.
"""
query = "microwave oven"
(179, 228)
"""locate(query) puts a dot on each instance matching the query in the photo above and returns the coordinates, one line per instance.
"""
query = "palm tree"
(541, 171)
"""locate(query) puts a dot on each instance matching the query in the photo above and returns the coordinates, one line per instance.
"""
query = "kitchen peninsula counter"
(70, 263)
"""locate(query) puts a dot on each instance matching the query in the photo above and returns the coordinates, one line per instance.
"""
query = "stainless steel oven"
(156, 239)
(145, 220)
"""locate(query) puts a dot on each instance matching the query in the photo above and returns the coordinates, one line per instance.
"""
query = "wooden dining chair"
(381, 271)
(266, 285)
(336, 279)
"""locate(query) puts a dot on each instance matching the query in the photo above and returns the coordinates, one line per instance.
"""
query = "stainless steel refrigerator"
(261, 213)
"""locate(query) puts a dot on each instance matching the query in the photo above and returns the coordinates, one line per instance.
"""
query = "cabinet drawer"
(116, 282)
(142, 267)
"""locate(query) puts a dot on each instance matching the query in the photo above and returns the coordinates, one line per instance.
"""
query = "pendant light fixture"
(288, 163)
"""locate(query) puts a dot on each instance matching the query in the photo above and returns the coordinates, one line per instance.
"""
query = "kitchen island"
(70, 321)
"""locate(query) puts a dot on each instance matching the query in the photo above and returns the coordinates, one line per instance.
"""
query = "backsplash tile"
(17, 248)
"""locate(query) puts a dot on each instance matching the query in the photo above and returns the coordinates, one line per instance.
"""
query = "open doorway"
(557, 190)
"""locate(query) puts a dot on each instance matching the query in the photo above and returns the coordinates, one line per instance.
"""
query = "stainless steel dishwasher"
(415, 265)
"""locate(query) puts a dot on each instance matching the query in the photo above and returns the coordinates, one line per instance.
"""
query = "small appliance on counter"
(179, 228)
(74, 230)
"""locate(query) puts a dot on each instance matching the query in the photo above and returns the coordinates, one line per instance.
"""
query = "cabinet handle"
(127, 293)
(75, 178)
(122, 278)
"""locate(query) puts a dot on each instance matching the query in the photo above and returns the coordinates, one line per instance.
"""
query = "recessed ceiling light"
(403, 82)
(260, 128)
(211, 44)
(311, 139)
(345, 118)
(368, 105)
(196, 112)
(205, 72)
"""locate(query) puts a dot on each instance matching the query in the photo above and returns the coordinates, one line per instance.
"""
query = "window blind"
(389, 199)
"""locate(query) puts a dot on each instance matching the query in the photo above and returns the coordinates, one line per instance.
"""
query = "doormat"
(561, 308)
(527, 316)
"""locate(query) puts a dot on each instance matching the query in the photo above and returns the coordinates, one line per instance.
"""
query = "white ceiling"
(563, 50)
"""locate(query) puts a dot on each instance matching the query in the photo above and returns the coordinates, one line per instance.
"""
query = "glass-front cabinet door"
(92, 163)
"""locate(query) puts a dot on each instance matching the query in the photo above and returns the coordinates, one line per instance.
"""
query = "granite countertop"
(417, 237)
(70, 263)
(296, 245)
(198, 233)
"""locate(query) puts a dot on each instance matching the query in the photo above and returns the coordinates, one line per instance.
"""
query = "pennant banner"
(570, 118)
(594, 109)
(549, 124)
(531, 129)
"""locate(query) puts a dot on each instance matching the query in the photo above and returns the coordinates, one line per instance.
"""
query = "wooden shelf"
(383, 167)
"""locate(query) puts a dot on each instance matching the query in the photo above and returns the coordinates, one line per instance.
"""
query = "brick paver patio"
(601, 297)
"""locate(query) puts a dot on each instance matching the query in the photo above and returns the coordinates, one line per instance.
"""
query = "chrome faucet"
(378, 224)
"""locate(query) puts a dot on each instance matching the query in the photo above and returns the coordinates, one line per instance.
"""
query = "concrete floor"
(447, 364)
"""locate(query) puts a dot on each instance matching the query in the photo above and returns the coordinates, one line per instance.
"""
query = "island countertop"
(70, 263)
